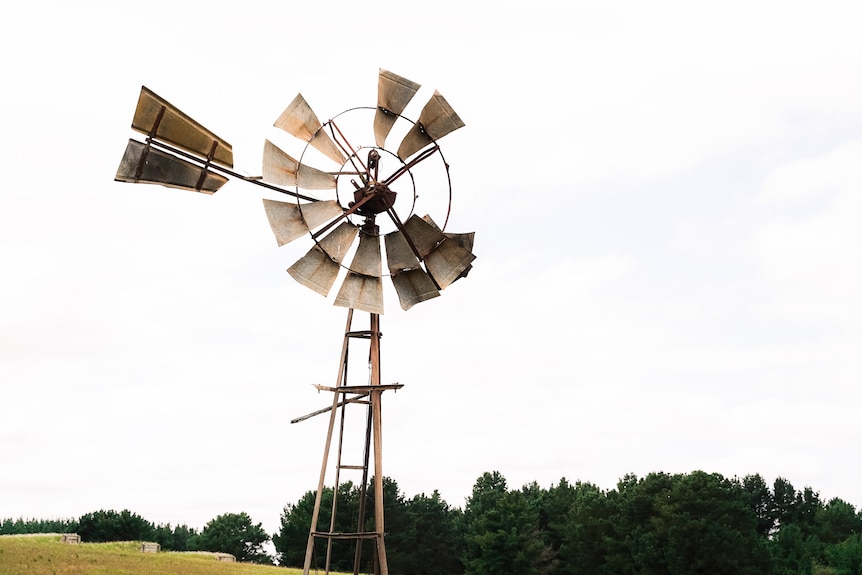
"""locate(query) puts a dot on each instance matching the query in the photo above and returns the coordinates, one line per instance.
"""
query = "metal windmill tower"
(369, 193)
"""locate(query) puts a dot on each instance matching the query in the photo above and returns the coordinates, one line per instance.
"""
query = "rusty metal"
(394, 92)
(161, 120)
(299, 120)
(280, 168)
(318, 269)
(290, 221)
(144, 164)
(435, 121)
(414, 286)
(361, 292)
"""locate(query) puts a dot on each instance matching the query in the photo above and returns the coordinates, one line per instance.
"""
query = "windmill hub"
(381, 198)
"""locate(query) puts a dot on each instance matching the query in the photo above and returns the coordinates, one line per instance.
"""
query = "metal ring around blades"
(346, 171)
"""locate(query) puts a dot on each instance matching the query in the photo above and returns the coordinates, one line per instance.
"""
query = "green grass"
(46, 555)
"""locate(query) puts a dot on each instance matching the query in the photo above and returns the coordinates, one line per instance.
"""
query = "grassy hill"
(46, 555)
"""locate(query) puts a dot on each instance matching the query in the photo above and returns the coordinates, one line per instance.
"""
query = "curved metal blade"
(464, 240)
(414, 286)
(447, 262)
(163, 121)
(361, 292)
(318, 269)
(338, 242)
(425, 236)
(366, 260)
(362, 288)
(147, 165)
(299, 120)
(436, 120)
(282, 169)
(290, 221)
(394, 92)
(315, 271)
(399, 256)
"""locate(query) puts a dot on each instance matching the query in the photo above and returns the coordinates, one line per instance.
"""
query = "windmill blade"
(299, 120)
(435, 121)
(282, 169)
(318, 269)
(399, 256)
(147, 165)
(163, 121)
(444, 258)
(412, 284)
(393, 94)
(366, 261)
(361, 292)
(465, 240)
(362, 288)
(448, 262)
(290, 221)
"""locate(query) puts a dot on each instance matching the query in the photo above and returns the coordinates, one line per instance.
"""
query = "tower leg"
(373, 436)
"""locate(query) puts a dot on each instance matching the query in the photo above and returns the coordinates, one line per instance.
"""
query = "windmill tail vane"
(368, 187)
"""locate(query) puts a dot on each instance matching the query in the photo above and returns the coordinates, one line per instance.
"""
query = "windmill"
(363, 202)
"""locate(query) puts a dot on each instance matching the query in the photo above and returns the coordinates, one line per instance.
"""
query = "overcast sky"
(666, 200)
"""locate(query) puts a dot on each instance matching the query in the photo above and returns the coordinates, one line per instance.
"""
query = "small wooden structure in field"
(226, 557)
(71, 538)
(149, 547)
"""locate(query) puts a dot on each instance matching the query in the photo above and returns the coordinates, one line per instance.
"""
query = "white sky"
(666, 199)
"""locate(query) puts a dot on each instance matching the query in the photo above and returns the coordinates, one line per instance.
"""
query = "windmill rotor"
(369, 183)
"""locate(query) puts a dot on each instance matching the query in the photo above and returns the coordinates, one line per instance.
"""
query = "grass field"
(46, 555)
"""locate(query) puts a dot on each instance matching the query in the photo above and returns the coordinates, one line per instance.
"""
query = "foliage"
(101, 526)
(234, 533)
(22, 526)
(661, 523)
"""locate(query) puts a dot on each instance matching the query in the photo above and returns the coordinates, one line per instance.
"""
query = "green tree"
(500, 530)
(234, 533)
(437, 541)
(837, 521)
(846, 557)
(589, 544)
(109, 525)
(761, 503)
(292, 539)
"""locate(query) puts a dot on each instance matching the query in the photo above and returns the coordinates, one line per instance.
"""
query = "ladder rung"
(362, 535)
(363, 333)
(359, 467)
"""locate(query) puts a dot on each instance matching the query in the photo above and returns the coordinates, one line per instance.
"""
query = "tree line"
(232, 533)
(675, 524)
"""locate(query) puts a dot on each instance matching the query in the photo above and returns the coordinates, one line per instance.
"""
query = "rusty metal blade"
(299, 120)
(465, 240)
(160, 119)
(447, 262)
(414, 286)
(338, 242)
(290, 221)
(147, 165)
(318, 269)
(315, 270)
(424, 236)
(361, 292)
(436, 120)
(281, 169)
(366, 260)
(393, 94)
(399, 256)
